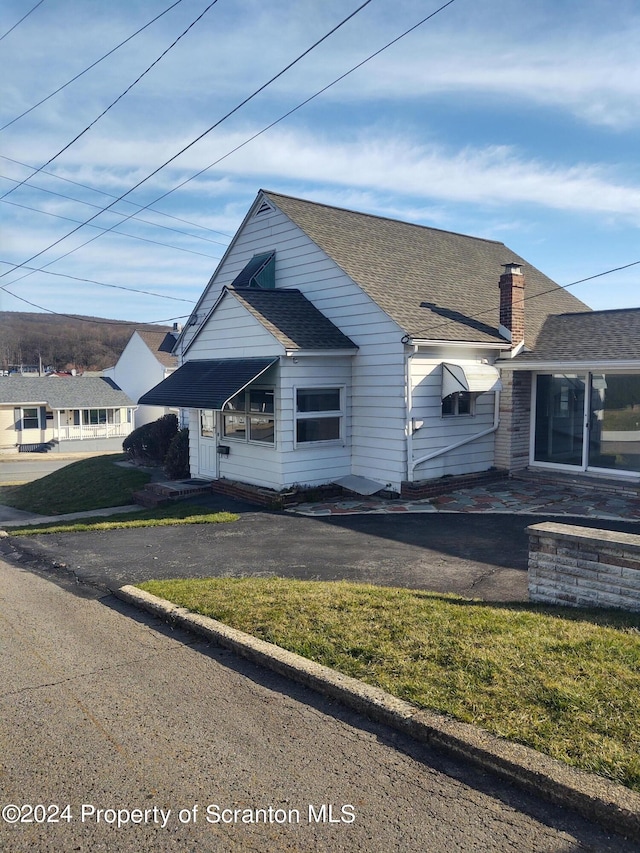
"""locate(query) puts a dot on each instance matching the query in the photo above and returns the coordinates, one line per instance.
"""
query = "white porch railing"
(86, 432)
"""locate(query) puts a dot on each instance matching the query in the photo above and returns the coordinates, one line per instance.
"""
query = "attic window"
(259, 272)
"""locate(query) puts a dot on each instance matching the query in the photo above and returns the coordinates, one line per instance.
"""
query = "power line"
(491, 311)
(105, 284)
(113, 103)
(193, 142)
(89, 67)
(87, 319)
(111, 195)
(111, 230)
(115, 212)
(288, 113)
(300, 105)
(11, 29)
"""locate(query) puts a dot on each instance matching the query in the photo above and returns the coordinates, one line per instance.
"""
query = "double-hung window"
(250, 416)
(31, 418)
(319, 414)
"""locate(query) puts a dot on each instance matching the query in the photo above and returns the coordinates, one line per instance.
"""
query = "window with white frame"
(319, 414)
(250, 416)
(458, 403)
(31, 418)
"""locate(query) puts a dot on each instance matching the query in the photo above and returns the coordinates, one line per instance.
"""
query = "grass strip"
(87, 484)
(173, 514)
(565, 682)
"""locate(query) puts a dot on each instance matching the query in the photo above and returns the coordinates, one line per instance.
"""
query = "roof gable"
(292, 319)
(161, 345)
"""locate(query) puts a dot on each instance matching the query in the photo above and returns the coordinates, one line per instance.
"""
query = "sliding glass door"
(614, 422)
(588, 421)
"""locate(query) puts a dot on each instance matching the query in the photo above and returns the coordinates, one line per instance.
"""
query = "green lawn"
(565, 682)
(91, 483)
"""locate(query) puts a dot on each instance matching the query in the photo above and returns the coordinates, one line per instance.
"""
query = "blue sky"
(514, 121)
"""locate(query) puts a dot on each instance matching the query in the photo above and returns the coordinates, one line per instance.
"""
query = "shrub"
(176, 462)
(150, 442)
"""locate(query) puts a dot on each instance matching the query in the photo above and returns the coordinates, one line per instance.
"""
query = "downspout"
(409, 409)
(496, 423)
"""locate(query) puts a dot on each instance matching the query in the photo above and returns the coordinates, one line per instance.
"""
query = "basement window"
(458, 403)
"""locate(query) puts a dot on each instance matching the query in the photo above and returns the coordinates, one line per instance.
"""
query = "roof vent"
(265, 207)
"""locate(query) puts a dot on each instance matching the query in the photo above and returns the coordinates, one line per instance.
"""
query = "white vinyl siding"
(438, 431)
(374, 428)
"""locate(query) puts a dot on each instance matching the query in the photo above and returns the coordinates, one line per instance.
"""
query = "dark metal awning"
(206, 384)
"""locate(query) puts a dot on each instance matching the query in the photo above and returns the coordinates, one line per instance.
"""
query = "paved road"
(31, 466)
(103, 706)
(482, 556)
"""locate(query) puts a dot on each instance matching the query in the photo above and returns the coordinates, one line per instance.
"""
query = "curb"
(611, 805)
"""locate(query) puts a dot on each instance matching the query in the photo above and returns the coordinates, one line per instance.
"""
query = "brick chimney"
(512, 303)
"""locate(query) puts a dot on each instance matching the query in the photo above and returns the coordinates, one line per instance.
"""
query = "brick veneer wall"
(584, 567)
(512, 436)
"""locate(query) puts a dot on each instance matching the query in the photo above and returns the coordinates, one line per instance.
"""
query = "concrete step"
(156, 494)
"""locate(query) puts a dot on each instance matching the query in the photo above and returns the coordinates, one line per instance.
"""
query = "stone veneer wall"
(584, 567)
(512, 436)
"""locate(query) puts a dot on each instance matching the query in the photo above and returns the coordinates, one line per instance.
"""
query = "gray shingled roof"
(592, 336)
(59, 393)
(294, 321)
(161, 345)
(436, 285)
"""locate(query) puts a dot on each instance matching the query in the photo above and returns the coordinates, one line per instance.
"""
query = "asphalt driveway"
(480, 556)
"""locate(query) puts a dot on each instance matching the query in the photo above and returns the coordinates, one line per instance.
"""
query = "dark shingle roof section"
(161, 345)
(593, 336)
(59, 393)
(292, 319)
(437, 285)
(206, 384)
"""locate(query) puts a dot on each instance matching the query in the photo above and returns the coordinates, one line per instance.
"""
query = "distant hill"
(83, 343)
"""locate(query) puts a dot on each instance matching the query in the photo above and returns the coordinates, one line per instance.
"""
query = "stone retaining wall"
(584, 567)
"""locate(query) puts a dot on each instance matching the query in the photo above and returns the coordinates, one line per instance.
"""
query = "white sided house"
(145, 361)
(335, 346)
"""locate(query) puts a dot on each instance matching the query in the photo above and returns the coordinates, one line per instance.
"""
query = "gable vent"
(265, 207)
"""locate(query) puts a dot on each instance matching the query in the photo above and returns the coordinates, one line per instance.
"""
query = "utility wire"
(111, 230)
(89, 67)
(193, 142)
(299, 106)
(113, 103)
(105, 284)
(115, 213)
(11, 29)
(288, 113)
(89, 319)
(111, 195)
(491, 311)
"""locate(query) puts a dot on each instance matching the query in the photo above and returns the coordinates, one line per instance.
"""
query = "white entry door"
(207, 455)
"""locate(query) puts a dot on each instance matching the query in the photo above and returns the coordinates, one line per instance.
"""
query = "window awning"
(475, 378)
(206, 384)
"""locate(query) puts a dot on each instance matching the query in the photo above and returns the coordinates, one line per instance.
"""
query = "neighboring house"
(67, 414)
(145, 361)
(335, 346)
